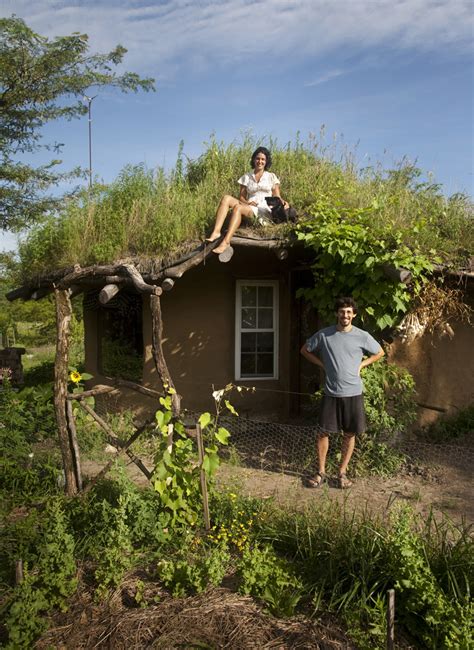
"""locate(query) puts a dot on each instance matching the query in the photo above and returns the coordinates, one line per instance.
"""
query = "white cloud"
(164, 38)
(330, 74)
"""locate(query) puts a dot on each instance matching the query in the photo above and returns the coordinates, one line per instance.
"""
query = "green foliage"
(43, 80)
(153, 213)
(348, 562)
(177, 471)
(193, 571)
(113, 551)
(120, 360)
(423, 606)
(51, 583)
(350, 254)
(389, 399)
(24, 621)
(269, 578)
(25, 417)
(451, 427)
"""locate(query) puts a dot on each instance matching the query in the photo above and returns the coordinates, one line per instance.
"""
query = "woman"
(251, 204)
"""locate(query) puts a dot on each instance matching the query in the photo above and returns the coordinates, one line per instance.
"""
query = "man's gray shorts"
(342, 414)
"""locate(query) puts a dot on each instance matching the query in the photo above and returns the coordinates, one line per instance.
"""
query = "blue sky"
(390, 78)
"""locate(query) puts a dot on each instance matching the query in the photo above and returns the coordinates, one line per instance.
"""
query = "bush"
(452, 427)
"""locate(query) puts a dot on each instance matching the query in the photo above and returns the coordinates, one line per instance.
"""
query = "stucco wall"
(443, 370)
(199, 338)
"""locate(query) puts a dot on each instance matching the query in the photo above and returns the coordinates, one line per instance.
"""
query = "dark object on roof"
(280, 214)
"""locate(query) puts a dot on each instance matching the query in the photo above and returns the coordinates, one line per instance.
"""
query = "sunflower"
(75, 376)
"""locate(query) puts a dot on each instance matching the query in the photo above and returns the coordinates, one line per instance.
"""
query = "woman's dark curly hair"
(267, 155)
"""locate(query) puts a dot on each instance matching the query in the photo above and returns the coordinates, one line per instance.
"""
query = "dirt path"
(446, 488)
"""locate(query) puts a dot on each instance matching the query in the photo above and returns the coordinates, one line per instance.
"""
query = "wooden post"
(205, 498)
(18, 572)
(74, 444)
(391, 619)
(158, 356)
(63, 322)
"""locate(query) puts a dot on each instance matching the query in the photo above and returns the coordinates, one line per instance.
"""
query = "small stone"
(110, 449)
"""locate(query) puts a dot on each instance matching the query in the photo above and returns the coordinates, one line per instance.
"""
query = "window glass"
(256, 336)
(249, 296)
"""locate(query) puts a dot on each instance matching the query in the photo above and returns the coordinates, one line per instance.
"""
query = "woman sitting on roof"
(251, 204)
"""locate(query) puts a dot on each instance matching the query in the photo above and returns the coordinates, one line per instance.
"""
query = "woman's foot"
(221, 248)
(212, 237)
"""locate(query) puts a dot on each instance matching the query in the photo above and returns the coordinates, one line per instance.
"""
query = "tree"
(42, 80)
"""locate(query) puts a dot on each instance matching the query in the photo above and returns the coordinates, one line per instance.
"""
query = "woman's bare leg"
(238, 211)
(227, 202)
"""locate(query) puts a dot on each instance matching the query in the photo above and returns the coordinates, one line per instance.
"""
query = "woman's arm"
(276, 192)
(243, 196)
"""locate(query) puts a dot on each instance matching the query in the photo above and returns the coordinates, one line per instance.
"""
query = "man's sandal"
(344, 482)
(317, 480)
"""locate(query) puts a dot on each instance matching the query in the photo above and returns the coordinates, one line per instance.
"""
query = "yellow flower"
(75, 376)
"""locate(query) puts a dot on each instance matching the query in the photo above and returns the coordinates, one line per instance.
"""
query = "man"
(339, 350)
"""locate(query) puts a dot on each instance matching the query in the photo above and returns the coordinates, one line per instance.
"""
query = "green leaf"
(204, 420)
(231, 408)
(223, 435)
(86, 376)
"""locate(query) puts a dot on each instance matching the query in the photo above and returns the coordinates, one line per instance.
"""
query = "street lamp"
(89, 101)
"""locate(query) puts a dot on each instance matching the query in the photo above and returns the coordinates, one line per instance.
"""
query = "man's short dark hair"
(345, 301)
(266, 153)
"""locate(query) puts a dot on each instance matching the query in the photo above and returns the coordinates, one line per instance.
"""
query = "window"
(256, 330)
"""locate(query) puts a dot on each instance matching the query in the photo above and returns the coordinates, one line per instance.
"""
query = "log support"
(107, 293)
(63, 322)
(158, 356)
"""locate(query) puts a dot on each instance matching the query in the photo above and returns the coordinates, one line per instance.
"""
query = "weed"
(145, 212)
(270, 578)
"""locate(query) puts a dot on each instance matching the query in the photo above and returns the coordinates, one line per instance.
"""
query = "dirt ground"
(441, 481)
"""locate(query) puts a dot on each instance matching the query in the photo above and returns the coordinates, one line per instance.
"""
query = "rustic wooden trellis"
(63, 400)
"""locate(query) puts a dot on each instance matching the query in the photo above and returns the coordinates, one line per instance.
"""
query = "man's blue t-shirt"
(341, 354)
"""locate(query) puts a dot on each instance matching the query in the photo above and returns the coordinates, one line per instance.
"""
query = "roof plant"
(353, 221)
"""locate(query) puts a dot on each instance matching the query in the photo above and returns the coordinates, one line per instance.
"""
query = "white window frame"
(239, 329)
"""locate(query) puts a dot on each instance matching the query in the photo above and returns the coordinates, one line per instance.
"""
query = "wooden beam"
(144, 390)
(41, 292)
(63, 322)
(74, 444)
(158, 356)
(167, 284)
(180, 269)
(139, 283)
(114, 440)
(107, 293)
(97, 390)
(120, 451)
(21, 292)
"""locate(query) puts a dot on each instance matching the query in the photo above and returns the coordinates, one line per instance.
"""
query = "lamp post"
(89, 101)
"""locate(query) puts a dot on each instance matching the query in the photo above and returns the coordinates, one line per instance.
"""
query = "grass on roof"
(148, 212)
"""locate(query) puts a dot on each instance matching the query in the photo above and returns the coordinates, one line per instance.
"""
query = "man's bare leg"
(322, 446)
(348, 444)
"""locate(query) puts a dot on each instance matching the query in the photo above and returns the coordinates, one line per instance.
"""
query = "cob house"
(196, 322)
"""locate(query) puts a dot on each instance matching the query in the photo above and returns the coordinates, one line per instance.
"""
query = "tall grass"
(348, 561)
(148, 212)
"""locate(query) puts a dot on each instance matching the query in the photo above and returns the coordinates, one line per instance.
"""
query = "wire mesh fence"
(291, 448)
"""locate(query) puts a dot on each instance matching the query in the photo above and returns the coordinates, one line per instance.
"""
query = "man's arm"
(312, 358)
(372, 359)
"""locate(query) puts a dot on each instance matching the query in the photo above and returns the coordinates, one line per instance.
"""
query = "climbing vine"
(350, 256)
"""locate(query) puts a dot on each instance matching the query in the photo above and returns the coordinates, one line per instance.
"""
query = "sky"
(385, 78)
